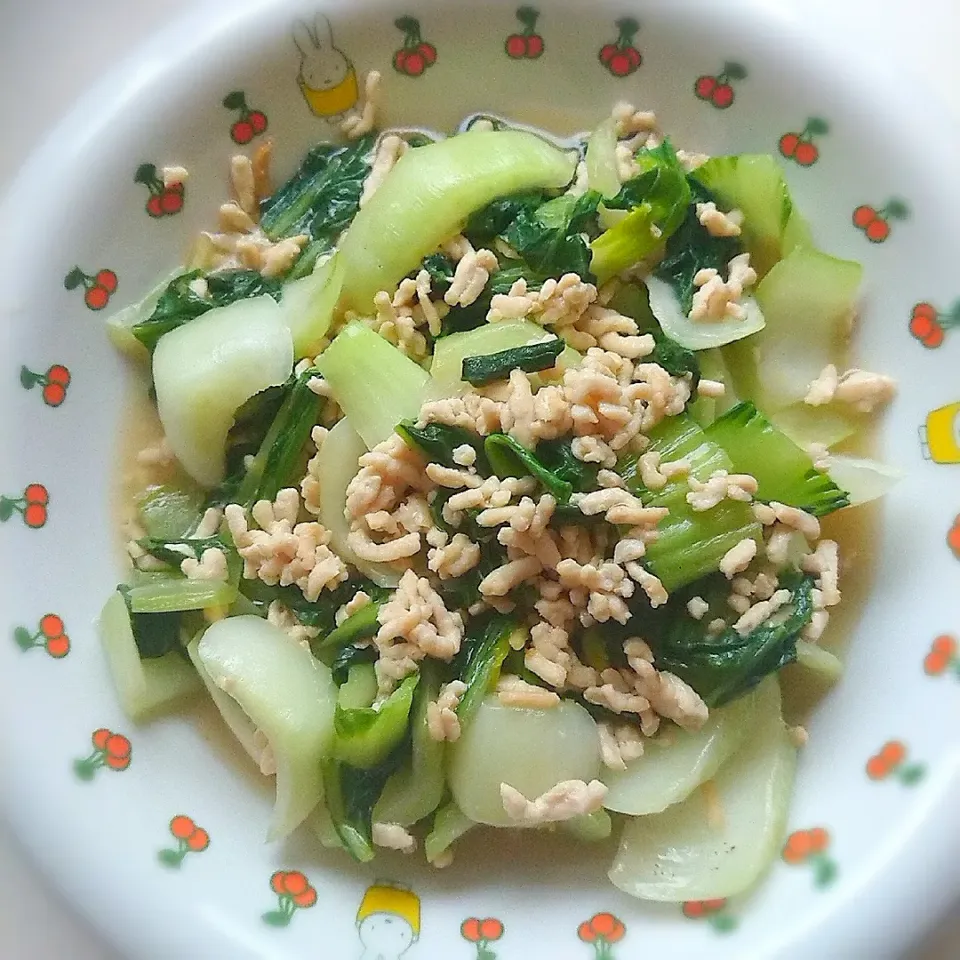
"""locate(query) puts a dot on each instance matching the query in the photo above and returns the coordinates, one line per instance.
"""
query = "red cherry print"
(36, 493)
(154, 207)
(934, 338)
(863, 216)
(705, 86)
(633, 55)
(51, 626)
(534, 46)
(306, 899)
(54, 394)
(788, 144)
(723, 96)
(96, 298)
(182, 827)
(807, 154)
(100, 738)
(516, 46)
(106, 279)
(878, 231)
(470, 930)
(620, 64)
(171, 201)
(58, 374)
(608, 53)
(35, 515)
(257, 120)
(416, 64)
(429, 53)
(199, 840)
(58, 647)
(242, 132)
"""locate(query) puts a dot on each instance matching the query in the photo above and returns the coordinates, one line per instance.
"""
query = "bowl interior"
(78, 208)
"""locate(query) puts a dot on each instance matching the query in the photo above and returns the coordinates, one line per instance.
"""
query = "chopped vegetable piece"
(308, 304)
(358, 626)
(438, 441)
(342, 450)
(695, 334)
(551, 241)
(366, 736)
(450, 352)
(676, 359)
(351, 794)
(783, 471)
(169, 512)
(449, 825)
(323, 196)
(718, 842)
(809, 302)
(279, 463)
(559, 744)
(677, 761)
(416, 789)
(601, 157)
(690, 543)
(755, 185)
(359, 689)
(284, 693)
(430, 194)
(657, 200)
(590, 827)
(864, 480)
(692, 248)
(205, 370)
(120, 324)
(478, 664)
(180, 303)
(144, 686)
(375, 385)
(529, 358)
(509, 458)
(171, 594)
(724, 665)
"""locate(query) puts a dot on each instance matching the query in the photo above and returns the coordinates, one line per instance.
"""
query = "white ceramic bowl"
(895, 847)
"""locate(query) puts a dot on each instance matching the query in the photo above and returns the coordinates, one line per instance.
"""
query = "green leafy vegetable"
(437, 441)
(497, 366)
(365, 736)
(279, 460)
(478, 664)
(351, 656)
(675, 359)
(551, 239)
(509, 458)
(724, 666)
(322, 197)
(557, 457)
(179, 304)
(358, 626)
(692, 249)
(657, 199)
(462, 319)
(322, 612)
(155, 634)
(493, 220)
(784, 471)
(690, 543)
(351, 794)
(168, 511)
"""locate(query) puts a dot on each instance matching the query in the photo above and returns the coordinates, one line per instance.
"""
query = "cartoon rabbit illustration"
(327, 78)
(388, 921)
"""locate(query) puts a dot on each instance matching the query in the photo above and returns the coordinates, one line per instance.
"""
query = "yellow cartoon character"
(388, 921)
(940, 435)
(327, 78)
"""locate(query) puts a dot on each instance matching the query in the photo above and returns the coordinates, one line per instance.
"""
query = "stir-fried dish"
(490, 491)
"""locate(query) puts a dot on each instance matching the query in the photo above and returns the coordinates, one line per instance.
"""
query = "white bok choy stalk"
(278, 700)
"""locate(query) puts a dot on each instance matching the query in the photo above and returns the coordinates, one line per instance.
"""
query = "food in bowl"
(491, 488)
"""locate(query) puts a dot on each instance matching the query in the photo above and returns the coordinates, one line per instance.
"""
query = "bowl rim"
(133, 78)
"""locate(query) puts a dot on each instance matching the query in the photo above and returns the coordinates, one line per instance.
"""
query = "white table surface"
(51, 50)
